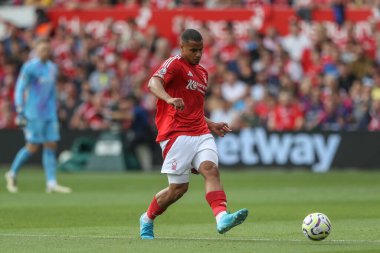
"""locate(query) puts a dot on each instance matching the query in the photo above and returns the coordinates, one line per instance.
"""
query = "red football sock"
(154, 209)
(217, 201)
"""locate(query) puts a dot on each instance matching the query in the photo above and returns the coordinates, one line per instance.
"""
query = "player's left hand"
(177, 103)
(20, 121)
(220, 128)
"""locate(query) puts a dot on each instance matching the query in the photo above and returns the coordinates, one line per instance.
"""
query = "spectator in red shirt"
(287, 115)
(7, 117)
(265, 107)
(230, 50)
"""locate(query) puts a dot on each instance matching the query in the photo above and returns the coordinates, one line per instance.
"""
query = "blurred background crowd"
(280, 82)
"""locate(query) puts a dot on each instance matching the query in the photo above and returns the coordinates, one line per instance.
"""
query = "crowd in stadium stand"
(283, 83)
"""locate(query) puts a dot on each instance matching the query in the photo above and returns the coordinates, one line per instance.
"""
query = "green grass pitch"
(102, 214)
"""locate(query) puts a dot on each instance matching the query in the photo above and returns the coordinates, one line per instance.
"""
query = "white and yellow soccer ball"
(316, 226)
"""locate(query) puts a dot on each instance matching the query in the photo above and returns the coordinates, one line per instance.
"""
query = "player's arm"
(156, 86)
(21, 85)
(218, 128)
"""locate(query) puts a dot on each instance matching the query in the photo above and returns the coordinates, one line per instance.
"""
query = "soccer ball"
(316, 226)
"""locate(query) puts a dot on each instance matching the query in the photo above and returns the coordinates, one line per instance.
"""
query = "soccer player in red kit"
(184, 135)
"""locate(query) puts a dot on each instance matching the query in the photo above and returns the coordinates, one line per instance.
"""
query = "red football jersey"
(186, 81)
(286, 117)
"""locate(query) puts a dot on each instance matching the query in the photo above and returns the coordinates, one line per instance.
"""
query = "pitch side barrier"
(319, 151)
(11, 140)
(251, 148)
(82, 150)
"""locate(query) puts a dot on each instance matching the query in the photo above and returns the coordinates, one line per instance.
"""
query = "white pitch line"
(263, 240)
(184, 238)
(71, 236)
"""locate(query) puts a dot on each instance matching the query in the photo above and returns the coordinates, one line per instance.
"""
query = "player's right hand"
(177, 103)
(20, 120)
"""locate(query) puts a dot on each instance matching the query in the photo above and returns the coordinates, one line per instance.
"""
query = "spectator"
(254, 44)
(264, 108)
(13, 43)
(333, 116)
(362, 65)
(360, 103)
(90, 114)
(230, 50)
(288, 66)
(259, 89)
(346, 77)
(248, 117)
(100, 79)
(242, 67)
(296, 42)
(68, 102)
(339, 11)
(272, 40)
(226, 113)
(233, 90)
(304, 9)
(287, 115)
(142, 141)
(264, 61)
(214, 99)
(8, 80)
(7, 118)
(312, 107)
(374, 114)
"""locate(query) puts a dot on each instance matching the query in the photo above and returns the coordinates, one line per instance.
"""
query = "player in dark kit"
(184, 135)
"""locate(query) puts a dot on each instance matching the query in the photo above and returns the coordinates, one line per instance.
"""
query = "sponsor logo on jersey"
(190, 74)
(193, 85)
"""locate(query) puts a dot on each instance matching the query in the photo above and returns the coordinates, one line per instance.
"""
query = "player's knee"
(209, 170)
(178, 195)
(50, 145)
(179, 191)
(32, 148)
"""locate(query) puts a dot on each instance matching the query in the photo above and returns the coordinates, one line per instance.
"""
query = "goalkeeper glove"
(20, 118)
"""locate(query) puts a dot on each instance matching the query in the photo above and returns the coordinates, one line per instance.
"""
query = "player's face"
(43, 51)
(192, 51)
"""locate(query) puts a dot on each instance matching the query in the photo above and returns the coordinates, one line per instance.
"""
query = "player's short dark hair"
(191, 35)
